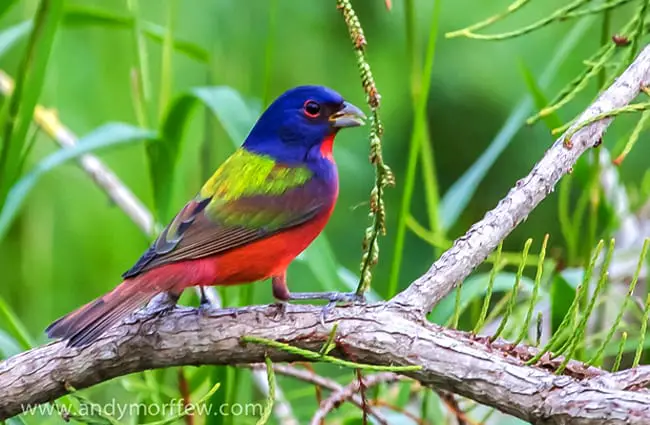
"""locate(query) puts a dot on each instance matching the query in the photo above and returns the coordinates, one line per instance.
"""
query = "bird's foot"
(205, 309)
(332, 298)
(208, 310)
(340, 297)
(281, 309)
(205, 306)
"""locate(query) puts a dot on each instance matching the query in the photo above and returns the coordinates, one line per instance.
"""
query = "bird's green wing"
(249, 197)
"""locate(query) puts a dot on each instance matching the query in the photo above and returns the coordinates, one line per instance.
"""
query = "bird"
(261, 208)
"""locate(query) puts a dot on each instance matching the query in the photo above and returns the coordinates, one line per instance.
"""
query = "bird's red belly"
(265, 258)
(256, 261)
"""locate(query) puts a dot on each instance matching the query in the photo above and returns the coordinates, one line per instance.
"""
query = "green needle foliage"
(317, 356)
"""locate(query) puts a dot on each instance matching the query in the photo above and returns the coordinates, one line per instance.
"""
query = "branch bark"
(375, 334)
(391, 333)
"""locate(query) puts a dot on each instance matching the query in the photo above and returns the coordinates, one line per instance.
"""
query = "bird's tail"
(85, 325)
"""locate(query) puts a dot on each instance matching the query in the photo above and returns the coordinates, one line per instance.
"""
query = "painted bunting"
(262, 207)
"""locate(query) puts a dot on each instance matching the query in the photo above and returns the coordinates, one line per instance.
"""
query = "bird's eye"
(312, 109)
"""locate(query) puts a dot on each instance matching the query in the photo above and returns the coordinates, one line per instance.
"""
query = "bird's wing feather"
(250, 197)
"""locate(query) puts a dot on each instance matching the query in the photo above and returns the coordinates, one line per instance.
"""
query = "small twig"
(401, 410)
(311, 377)
(452, 404)
(557, 15)
(345, 393)
(185, 392)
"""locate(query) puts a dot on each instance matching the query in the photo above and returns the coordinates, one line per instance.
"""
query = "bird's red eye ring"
(312, 109)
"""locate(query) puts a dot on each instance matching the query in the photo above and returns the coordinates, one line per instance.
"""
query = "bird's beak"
(348, 116)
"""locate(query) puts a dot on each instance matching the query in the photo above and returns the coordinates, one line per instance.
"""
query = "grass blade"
(166, 77)
(459, 194)
(15, 326)
(475, 287)
(29, 81)
(10, 36)
(235, 115)
(109, 135)
(419, 138)
(8, 346)
(80, 16)
(5, 5)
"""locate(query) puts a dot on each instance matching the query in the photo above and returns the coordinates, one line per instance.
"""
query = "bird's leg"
(204, 302)
(163, 303)
(282, 294)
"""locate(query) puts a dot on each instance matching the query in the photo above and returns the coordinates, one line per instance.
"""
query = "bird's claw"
(204, 309)
(281, 309)
(343, 297)
(325, 311)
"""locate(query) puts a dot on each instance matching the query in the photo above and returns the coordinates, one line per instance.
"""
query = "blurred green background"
(70, 244)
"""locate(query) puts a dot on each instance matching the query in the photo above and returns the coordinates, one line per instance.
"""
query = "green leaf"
(235, 115)
(12, 35)
(5, 5)
(8, 345)
(190, 410)
(459, 194)
(14, 325)
(16, 420)
(90, 413)
(106, 136)
(475, 287)
(80, 16)
(539, 98)
(562, 292)
(220, 374)
(29, 82)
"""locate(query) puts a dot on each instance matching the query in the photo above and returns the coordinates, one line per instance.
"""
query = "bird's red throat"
(327, 145)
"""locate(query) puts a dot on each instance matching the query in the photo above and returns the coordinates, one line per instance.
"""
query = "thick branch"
(483, 237)
(376, 334)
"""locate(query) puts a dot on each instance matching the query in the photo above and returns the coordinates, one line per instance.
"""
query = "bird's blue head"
(300, 125)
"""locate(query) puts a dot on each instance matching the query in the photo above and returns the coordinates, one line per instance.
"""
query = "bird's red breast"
(256, 261)
(326, 147)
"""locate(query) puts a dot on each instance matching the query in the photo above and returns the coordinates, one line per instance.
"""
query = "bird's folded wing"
(246, 200)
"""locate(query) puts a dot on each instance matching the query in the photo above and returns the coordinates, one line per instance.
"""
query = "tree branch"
(375, 334)
(391, 333)
(483, 237)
